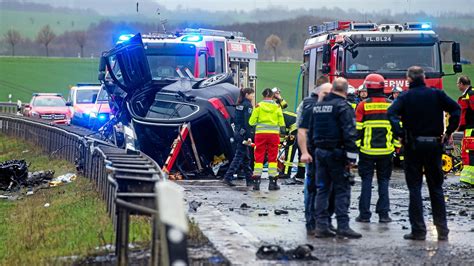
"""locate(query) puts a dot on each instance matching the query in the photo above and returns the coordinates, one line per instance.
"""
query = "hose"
(297, 89)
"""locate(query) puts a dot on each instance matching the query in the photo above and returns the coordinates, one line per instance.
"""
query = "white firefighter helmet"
(397, 89)
(351, 90)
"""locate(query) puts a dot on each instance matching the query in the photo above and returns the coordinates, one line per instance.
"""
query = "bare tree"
(81, 39)
(272, 42)
(45, 36)
(13, 37)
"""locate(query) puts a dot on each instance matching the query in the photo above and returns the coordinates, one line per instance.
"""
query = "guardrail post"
(172, 224)
(122, 236)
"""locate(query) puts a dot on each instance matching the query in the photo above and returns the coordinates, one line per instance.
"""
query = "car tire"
(216, 79)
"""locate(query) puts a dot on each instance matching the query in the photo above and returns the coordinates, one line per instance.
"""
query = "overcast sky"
(429, 6)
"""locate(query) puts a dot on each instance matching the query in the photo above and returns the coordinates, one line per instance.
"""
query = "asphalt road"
(381, 243)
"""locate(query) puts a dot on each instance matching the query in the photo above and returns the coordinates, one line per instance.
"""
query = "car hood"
(51, 109)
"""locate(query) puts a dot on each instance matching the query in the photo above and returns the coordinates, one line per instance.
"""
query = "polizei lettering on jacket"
(322, 109)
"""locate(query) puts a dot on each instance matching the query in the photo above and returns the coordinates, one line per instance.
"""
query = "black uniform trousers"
(419, 157)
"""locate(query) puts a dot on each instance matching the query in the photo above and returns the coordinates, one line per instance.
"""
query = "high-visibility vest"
(267, 117)
(375, 135)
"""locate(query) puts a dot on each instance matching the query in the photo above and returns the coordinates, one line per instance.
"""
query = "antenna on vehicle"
(180, 73)
(188, 72)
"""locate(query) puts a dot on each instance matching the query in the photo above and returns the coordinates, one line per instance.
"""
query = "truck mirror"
(326, 54)
(102, 66)
(326, 69)
(457, 68)
(211, 64)
(456, 52)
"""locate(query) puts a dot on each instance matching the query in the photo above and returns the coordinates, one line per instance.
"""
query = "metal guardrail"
(7, 107)
(126, 181)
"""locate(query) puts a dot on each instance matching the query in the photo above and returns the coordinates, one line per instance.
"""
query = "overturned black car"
(183, 123)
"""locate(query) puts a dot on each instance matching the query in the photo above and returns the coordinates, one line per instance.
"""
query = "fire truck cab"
(201, 53)
(354, 50)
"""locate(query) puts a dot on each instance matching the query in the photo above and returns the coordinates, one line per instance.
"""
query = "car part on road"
(275, 252)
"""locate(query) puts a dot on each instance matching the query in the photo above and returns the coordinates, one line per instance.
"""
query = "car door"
(127, 65)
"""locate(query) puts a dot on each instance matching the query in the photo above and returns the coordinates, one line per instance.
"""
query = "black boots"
(273, 184)
(348, 233)
(256, 183)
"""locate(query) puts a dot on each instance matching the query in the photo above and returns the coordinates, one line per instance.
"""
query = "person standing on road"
(376, 147)
(243, 132)
(267, 117)
(334, 137)
(305, 112)
(421, 111)
(466, 101)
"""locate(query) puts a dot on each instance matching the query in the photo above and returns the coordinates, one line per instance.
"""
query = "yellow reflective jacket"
(374, 130)
(267, 117)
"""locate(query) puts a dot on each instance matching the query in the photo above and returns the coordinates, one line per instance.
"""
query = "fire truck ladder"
(177, 145)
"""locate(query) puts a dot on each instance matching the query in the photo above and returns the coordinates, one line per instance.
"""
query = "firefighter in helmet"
(376, 147)
(278, 99)
(362, 91)
(395, 92)
(352, 97)
(267, 117)
(466, 101)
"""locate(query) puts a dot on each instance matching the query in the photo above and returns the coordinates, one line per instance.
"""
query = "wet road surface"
(381, 243)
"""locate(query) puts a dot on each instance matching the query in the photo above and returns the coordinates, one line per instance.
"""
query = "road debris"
(194, 205)
(280, 212)
(244, 206)
(63, 179)
(275, 252)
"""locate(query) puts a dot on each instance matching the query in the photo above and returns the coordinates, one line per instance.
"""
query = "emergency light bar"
(47, 94)
(154, 35)
(87, 84)
(192, 38)
(363, 26)
(418, 26)
(219, 33)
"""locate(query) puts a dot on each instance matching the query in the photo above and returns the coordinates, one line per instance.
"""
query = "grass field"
(30, 22)
(22, 76)
(75, 223)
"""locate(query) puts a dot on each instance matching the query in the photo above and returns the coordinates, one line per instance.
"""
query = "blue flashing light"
(102, 117)
(426, 26)
(192, 38)
(124, 37)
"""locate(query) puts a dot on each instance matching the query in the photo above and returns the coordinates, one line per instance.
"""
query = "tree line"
(277, 40)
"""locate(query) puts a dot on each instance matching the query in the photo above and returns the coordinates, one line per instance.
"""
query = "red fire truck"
(354, 50)
(201, 53)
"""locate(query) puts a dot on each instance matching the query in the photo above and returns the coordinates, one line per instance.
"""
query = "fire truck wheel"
(216, 79)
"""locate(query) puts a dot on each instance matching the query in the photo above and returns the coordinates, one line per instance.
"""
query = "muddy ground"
(381, 243)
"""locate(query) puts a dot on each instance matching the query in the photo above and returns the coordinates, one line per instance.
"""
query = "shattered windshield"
(392, 59)
(165, 58)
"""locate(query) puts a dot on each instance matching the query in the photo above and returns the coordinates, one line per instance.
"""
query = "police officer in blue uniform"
(243, 131)
(334, 136)
(420, 110)
(304, 121)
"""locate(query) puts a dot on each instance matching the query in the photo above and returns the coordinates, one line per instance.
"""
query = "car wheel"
(217, 79)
